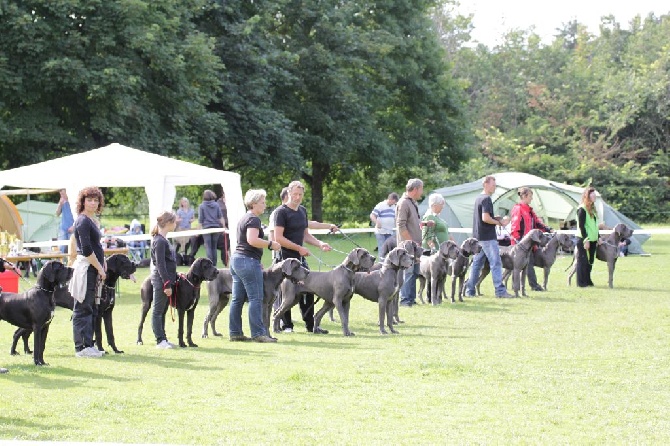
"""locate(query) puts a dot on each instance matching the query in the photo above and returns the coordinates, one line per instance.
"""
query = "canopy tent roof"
(554, 202)
(116, 165)
(40, 220)
(10, 219)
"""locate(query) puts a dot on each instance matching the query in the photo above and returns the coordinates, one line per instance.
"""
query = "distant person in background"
(66, 225)
(185, 215)
(138, 247)
(437, 233)
(383, 218)
(210, 216)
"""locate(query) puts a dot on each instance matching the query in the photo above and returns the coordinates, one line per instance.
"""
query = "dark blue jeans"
(247, 275)
(211, 242)
(83, 314)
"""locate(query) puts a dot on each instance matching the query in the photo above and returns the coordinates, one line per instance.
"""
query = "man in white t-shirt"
(383, 217)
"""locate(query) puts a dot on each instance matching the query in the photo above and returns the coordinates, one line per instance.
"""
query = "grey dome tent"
(554, 202)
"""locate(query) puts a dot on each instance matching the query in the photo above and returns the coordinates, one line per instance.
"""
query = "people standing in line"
(66, 224)
(247, 271)
(408, 225)
(587, 237)
(383, 218)
(523, 220)
(291, 231)
(435, 229)
(210, 216)
(484, 229)
(163, 274)
(89, 271)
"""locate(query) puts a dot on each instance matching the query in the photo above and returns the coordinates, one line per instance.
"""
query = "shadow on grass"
(56, 377)
(21, 428)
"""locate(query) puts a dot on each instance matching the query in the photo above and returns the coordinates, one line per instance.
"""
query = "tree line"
(353, 98)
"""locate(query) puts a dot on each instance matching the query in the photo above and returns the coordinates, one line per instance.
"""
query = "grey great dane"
(459, 267)
(221, 289)
(515, 260)
(433, 269)
(607, 251)
(379, 286)
(335, 287)
(546, 256)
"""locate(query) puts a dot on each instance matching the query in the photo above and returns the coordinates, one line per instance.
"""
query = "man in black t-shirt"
(291, 231)
(484, 229)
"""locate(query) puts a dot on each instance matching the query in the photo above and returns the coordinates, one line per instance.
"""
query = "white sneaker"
(88, 352)
(287, 330)
(164, 344)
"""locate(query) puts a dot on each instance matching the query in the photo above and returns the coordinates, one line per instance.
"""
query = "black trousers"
(305, 302)
(584, 262)
(83, 314)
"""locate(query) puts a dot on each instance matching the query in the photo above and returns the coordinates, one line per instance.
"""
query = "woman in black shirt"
(89, 270)
(247, 271)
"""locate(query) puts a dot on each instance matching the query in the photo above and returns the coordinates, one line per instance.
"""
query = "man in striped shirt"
(383, 217)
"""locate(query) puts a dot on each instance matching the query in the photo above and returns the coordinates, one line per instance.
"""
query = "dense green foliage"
(275, 90)
(353, 98)
(581, 109)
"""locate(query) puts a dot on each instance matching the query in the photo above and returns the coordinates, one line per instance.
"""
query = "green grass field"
(565, 366)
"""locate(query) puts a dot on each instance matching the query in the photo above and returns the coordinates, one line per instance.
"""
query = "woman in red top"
(523, 220)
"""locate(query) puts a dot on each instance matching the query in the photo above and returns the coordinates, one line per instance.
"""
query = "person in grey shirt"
(210, 216)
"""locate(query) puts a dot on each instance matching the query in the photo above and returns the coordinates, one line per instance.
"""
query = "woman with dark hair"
(210, 216)
(247, 271)
(89, 270)
(523, 220)
(587, 237)
(163, 274)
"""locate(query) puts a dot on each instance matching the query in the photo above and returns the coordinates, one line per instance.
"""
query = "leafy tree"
(79, 74)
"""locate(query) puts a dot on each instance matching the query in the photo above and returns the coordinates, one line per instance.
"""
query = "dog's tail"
(571, 263)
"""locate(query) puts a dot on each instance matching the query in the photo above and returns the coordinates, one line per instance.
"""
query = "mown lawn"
(565, 366)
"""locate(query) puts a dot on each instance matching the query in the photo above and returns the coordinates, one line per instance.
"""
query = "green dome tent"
(556, 203)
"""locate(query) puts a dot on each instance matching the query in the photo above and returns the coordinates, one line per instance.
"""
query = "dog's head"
(398, 258)
(54, 274)
(122, 266)
(470, 246)
(565, 242)
(359, 259)
(622, 231)
(203, 269)
(535, 236)
(414, 250)
(293, 270)
(448, 250)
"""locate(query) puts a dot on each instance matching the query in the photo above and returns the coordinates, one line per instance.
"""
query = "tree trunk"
(319, 173)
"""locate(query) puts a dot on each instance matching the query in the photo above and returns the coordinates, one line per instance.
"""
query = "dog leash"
(348, 238)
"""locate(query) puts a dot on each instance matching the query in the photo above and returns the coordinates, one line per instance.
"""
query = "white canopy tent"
(119, 166)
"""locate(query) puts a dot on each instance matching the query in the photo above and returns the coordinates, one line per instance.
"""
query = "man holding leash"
(408, 224)
(484, 229)
(291, 230)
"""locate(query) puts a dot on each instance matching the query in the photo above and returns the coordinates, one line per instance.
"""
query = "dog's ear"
(288, 266)
(50, 270)
(394, 256)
